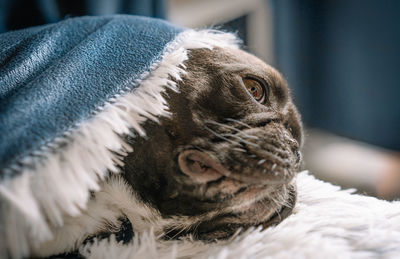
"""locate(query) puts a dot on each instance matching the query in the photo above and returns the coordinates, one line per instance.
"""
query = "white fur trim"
(115, 200)
(327, 223)
(37, 200)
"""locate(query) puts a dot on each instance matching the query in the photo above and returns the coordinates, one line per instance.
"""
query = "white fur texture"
(327, 223)
(36, 202)
(114, 201)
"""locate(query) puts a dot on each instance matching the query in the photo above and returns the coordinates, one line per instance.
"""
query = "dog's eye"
(255, 89)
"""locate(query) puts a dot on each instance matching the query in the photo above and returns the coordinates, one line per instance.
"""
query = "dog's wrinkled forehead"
(220, 64)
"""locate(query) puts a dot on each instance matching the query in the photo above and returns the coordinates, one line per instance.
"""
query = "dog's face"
(229, 152)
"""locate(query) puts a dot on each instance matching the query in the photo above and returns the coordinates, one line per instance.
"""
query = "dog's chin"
(254, 205)
(266, 212)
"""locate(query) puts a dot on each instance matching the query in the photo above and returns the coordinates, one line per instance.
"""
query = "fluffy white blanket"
(326, 223)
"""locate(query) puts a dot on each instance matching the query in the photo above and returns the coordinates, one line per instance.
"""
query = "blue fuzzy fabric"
(55, 76)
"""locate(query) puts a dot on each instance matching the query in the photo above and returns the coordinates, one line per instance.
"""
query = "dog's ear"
(200, 166)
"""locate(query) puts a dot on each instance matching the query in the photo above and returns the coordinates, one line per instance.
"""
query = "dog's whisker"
(240, 149)
(232, 128)
(239, 122)
(262, 161)
(177, 233)
(240, 139)
(221, 137)
(248, 136)
(196, 226)
(199, 148)
(241, 134)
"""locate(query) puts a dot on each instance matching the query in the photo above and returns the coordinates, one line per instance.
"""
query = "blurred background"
(340, 57)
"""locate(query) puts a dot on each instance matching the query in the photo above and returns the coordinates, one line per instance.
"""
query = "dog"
(224, 160)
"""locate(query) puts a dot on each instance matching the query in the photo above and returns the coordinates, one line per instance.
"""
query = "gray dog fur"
(253, 146)
(222, 161)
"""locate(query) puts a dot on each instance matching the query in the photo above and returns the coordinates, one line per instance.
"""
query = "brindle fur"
(258, 143)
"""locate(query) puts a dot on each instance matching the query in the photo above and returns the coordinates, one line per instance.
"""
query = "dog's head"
(229, 152)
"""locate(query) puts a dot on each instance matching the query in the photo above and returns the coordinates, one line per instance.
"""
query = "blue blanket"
(54, 77)
(68, 92)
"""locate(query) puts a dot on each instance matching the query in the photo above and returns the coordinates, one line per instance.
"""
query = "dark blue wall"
(342, 59)
(17, 14)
